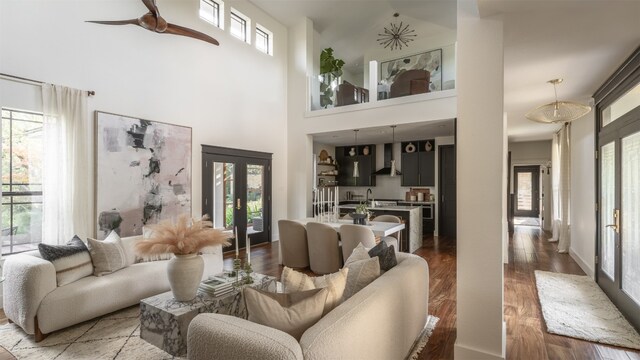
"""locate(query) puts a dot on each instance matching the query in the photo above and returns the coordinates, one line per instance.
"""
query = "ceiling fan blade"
(179, 30)
(116, 22)
(153, 8)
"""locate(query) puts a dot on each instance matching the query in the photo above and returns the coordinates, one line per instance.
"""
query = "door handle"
(238, 204)
(616, 220)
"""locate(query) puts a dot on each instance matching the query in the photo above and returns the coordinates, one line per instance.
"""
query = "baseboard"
(583, 264)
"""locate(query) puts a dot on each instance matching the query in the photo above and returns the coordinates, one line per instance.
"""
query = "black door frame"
(241, 157)
(623, 80)
(440, 201)
(535, 181)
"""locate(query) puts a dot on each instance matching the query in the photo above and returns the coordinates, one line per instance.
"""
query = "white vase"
(185, 273)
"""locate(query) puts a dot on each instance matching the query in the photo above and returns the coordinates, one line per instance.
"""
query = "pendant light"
(356, 171)
(558, 111)
(393, 161)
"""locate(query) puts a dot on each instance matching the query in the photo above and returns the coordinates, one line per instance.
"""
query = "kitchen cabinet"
(418, 162)
(366, 165)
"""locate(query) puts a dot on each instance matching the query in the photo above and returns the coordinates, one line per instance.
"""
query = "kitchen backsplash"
(387, 187)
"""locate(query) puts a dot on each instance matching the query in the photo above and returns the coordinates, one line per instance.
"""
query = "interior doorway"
(447, 191)
(236, 191)
(526, 183)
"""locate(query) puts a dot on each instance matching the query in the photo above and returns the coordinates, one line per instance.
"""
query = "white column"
(373, 81)
(481, 200)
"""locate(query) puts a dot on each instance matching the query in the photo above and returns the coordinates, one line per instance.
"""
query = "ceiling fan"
(152, 21)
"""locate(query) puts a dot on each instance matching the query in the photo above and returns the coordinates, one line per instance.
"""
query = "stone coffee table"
(164, 321)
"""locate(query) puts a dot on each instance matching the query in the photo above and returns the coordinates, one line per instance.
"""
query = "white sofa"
(381, 321)
(33, 300)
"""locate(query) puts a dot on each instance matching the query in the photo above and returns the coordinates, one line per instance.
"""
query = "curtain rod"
(89, 92)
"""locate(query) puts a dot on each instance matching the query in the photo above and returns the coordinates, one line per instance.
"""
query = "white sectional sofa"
(33, 300)
(381, 321)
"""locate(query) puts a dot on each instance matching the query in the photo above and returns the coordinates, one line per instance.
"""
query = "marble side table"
(164, 321)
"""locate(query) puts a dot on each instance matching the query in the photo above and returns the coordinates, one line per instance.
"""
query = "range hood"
(388, 156)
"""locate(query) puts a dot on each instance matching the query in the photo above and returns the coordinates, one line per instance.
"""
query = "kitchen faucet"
(369, 192)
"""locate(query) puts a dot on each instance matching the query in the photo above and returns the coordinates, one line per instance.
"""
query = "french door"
(527, 190)
(618, 194)
(236, 189)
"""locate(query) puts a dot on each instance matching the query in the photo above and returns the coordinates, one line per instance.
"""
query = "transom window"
(212, 12)
(264, 39)
(22, 149)
(239, 26)
(621, 106)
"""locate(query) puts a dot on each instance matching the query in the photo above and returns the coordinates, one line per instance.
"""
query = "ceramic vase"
(365, 151)
(185, 273)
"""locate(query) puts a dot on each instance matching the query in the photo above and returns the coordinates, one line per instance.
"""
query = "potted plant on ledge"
(330, 71)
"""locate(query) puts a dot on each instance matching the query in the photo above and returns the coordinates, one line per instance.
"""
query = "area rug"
(575, 306)
(526, 221)
(422, 340)
(113, 336)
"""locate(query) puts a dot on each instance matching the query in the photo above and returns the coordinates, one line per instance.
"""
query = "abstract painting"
(143, 173)
(430, 61)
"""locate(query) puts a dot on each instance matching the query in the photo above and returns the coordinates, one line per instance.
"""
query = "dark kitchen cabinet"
(418, 161)
(366, 165)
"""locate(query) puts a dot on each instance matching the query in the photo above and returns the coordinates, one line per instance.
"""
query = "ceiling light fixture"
(396, 36)
(356, 171)
(558, 111)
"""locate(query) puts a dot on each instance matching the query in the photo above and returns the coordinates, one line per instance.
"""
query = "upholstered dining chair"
(352, 235)
(293, 244)
(324, 248)
(394, 239)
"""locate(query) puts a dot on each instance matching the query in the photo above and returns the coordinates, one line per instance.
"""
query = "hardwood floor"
(527, 338)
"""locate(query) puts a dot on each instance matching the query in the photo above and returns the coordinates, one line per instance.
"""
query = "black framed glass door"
(237, 193)
(526, 181)
(618, 189)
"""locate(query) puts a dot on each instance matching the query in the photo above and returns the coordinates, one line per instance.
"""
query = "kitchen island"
(411, 215)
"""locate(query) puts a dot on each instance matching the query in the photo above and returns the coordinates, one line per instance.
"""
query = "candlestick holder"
(247, 278)
(237, 266)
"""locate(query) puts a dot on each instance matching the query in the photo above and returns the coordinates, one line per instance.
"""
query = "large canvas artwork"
(430, 61)
(143, 173)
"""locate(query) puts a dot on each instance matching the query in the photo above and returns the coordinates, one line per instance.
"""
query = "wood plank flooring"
(527, 338)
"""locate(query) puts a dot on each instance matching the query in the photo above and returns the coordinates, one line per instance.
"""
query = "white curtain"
(67, 197)
(561, 165)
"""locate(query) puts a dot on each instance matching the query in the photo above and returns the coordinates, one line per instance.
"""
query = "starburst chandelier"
(396, 36)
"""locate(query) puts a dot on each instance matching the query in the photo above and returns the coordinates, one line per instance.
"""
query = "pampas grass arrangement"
(186, 236)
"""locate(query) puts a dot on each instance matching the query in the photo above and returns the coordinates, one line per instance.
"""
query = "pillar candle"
(235, 235)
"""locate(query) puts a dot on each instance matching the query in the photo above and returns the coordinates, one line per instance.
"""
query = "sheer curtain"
(561, 165)
(67, 165)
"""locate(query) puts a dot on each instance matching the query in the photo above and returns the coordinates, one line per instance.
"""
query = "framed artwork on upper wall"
(430, 61)
(143, 173)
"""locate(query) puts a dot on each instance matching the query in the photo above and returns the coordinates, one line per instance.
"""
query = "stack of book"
(216, 286)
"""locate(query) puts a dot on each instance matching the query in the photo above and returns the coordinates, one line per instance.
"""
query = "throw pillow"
(386, 254)
(292, 313)
(129, 244)
(295, 281)
(107, 255)
(71, 261)
(147, 233)
(363, 270)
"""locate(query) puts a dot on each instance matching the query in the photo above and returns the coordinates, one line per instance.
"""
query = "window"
(21, 180)
(264, 39)
(240, 25)
(621, 106)
(212, 12)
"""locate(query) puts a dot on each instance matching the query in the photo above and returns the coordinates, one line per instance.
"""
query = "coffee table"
(164, 321)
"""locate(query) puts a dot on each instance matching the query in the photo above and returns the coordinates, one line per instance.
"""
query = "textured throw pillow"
(129, 244)
(147, 233)
(295, 281)
(71, 261)
(107, 255)
(292, 313)
(363, 270)
(386, 254)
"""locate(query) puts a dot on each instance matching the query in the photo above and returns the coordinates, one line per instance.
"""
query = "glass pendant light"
(393, 161)
(356, 171)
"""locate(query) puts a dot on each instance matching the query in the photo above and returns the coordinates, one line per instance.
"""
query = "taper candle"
(235, 235)
(248, 249)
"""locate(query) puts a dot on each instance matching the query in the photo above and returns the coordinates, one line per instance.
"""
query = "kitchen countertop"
(417, 202)
(390, 208)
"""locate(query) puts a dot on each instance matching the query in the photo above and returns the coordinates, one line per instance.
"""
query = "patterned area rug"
(422, 340)
(113, 336)
(575, 306)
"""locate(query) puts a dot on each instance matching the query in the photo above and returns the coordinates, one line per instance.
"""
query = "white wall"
(231, 95)
(481, 156)
(582, 202)
(534, 153)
